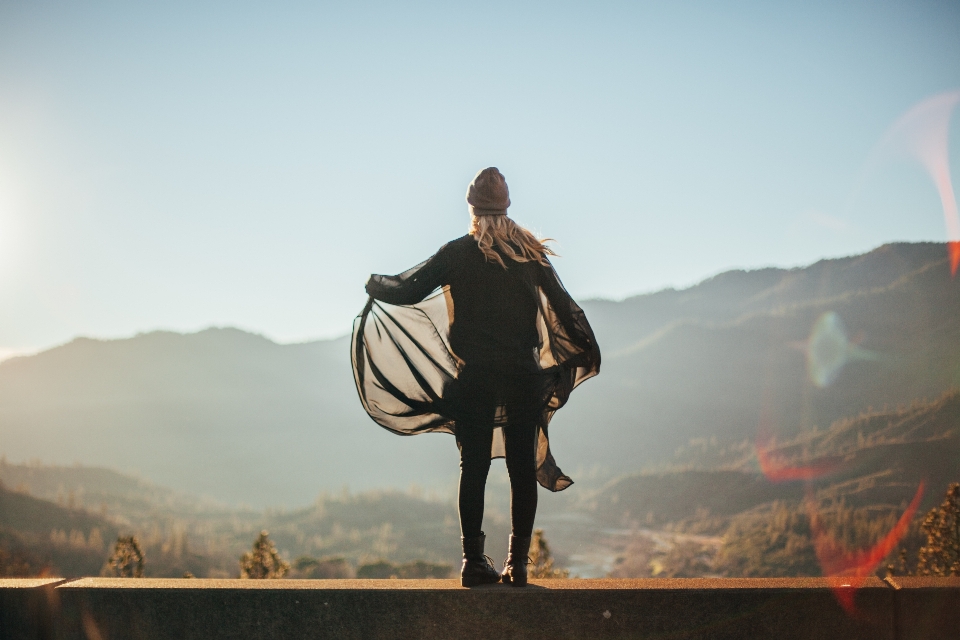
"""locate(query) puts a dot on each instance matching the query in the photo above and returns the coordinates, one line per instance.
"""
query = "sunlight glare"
(923, 133)
(855, 565)
(829, 350)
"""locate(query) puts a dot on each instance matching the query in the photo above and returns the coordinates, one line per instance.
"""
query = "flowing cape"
(406, 372)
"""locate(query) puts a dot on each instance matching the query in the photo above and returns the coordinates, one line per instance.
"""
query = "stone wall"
(107, 609)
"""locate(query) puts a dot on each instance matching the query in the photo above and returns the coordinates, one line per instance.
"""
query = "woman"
(489, 356)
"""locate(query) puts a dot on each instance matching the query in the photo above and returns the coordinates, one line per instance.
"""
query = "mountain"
(241, 419)
(221, 413)
(735, 294)
(742, 353)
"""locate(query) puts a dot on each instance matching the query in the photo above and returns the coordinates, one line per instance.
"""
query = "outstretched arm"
(413, 285)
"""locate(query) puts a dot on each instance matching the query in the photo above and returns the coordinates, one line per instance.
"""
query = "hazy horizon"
(6, 355)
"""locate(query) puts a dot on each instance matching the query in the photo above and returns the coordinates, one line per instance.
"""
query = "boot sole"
(477, 581)
(514, 582)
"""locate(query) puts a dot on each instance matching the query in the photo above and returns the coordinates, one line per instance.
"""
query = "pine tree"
(127, 559)
(263, 561)
(941, 555)
(541, 559)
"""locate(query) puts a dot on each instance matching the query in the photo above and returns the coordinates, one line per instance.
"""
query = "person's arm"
(413, 285)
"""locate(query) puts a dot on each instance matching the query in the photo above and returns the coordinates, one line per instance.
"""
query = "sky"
(184, 165)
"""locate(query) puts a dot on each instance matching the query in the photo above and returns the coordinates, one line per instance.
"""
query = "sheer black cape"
(459, 342)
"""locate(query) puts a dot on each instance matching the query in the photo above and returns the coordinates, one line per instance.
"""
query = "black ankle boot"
(477, 568)
(515, 566)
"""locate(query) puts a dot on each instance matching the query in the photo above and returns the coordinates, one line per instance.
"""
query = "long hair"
(511, 239)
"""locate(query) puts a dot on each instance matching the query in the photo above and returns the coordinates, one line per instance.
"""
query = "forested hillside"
(65, 536)
(761, 498)
(744, 509)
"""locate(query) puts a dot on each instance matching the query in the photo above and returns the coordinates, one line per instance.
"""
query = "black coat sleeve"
(415, 284)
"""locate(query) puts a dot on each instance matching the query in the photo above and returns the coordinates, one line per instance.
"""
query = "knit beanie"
(488, 195)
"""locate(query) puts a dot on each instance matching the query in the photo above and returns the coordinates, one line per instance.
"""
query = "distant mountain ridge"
(724, 370)
(221, 413)
(733, 294)
(235, 416)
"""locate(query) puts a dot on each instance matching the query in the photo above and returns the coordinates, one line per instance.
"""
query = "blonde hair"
(514, 241)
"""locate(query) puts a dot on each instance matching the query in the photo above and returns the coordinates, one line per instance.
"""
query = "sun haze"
(182, 165)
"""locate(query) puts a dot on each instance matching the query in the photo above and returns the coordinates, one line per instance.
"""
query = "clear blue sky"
(181, 165)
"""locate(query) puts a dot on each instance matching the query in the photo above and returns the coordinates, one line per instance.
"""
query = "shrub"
(940, 556)
(263, 561)
(127, 559)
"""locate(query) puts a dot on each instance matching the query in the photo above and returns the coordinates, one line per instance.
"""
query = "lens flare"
(829, 350)
(922, 133)
(855, 566)
(847, 570)
(775, 469)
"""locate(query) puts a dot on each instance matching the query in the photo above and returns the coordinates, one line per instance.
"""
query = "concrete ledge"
(106, 609)
(28, 607)
(927, 608)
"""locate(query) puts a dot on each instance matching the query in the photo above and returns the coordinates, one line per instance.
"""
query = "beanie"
(488, 195)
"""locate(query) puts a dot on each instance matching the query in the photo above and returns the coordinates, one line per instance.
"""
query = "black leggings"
(521, 457)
